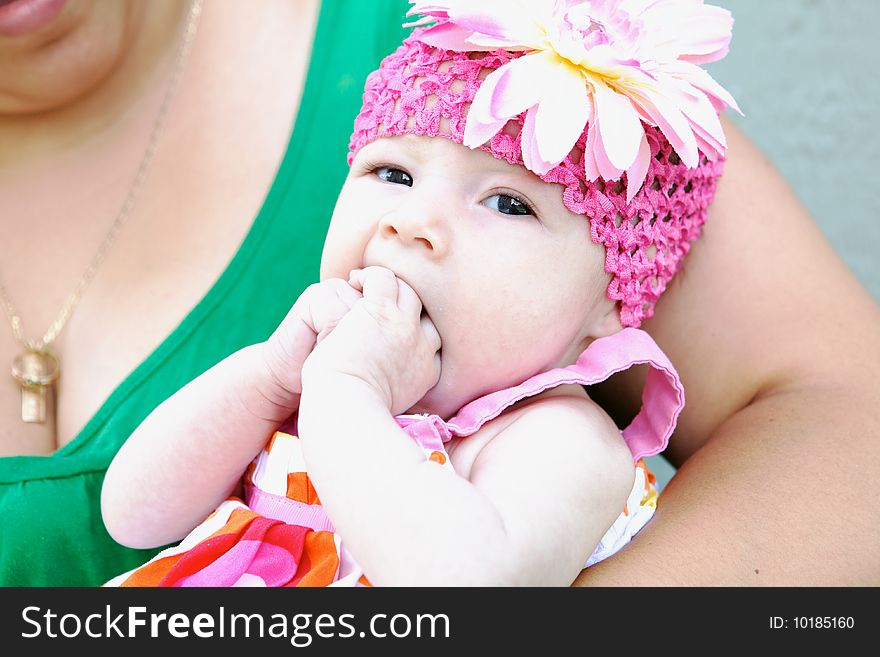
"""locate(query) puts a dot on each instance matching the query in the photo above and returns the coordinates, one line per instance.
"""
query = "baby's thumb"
(327, 330)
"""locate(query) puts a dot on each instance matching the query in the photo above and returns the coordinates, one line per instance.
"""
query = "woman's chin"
(66, 61)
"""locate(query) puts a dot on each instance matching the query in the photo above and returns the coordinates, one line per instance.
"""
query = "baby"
(524, 183)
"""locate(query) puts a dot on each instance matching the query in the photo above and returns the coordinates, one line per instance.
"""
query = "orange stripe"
(299, 488)
(152, 573)
(649, 476)
(277, 434)
(235, 524)
(319, 561)
(249, 473)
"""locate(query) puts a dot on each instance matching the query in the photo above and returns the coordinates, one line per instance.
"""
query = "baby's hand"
(385, 341)
(315, 314)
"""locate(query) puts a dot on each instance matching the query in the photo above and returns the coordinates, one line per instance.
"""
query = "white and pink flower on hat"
(612, 65)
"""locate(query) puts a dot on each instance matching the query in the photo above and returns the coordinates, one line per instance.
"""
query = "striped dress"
(279, 534)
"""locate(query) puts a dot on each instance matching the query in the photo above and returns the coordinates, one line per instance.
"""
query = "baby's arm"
(189, 454)
(535, 504)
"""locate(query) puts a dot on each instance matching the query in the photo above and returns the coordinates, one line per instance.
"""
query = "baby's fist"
(385, 341)
(315, 314)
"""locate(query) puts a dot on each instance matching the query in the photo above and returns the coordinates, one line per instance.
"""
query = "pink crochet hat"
(646, 228)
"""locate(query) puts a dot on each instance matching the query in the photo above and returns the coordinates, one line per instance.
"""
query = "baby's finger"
(431, 333)
(408, 300)
(377, 284)
(324, 304)
(354, 279)
(347, 294)
(438, 367)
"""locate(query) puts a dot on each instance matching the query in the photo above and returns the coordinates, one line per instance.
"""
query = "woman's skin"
(77, 103)
(778, 347)
(777, 446)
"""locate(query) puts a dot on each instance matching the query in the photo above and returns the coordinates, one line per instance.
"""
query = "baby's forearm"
(374, 481)
(189, 454)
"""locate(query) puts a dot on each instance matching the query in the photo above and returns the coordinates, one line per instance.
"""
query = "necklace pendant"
(33, 404)
(36, 371)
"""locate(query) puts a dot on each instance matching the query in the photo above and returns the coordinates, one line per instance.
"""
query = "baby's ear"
(607, 323)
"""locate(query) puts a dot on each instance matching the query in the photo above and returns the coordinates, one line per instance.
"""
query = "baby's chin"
(436, 403)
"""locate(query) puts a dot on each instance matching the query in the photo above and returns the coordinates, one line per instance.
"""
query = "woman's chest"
(217, 158)
(186, 227)
(140, 295)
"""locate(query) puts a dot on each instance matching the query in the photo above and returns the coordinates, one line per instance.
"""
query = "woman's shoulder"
(733, 319)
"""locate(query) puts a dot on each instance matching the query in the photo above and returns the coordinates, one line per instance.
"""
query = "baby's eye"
(396, 176)
(506, 204)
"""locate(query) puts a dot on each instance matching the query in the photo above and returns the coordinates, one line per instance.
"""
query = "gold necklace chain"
(37, 367)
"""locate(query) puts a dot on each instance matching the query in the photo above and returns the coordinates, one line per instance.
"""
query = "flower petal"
(562, 113)
(639, 58)
(529, 147)
(591, 167)
(606, 169)
(620, 130)
(701, 79)
(700, 113)
(479, 127)
(708, 144)
(424, 20)
(520, 84)
(686, 29)
(496, 18)
(706, 36)
(635, 175)
(481, 123)
(675, 127)
(448, 36)
(489, 44)
(428, 8)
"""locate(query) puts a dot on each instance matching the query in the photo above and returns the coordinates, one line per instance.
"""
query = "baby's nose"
(422, 230)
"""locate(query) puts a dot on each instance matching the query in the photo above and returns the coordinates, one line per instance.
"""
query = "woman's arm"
(778, 347)
(189, 454)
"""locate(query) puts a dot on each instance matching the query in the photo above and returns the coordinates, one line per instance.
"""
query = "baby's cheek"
(343, 251)
(335, 268)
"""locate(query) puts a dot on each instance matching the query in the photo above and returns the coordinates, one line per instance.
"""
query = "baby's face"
(508, 275)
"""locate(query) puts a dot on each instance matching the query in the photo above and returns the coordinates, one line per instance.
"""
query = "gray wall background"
(806, 74)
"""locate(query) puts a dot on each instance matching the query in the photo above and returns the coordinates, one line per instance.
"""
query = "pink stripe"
(287, 510)
(272, 564)
(428, 431)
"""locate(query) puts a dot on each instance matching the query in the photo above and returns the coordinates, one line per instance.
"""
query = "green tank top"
(51, 532)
